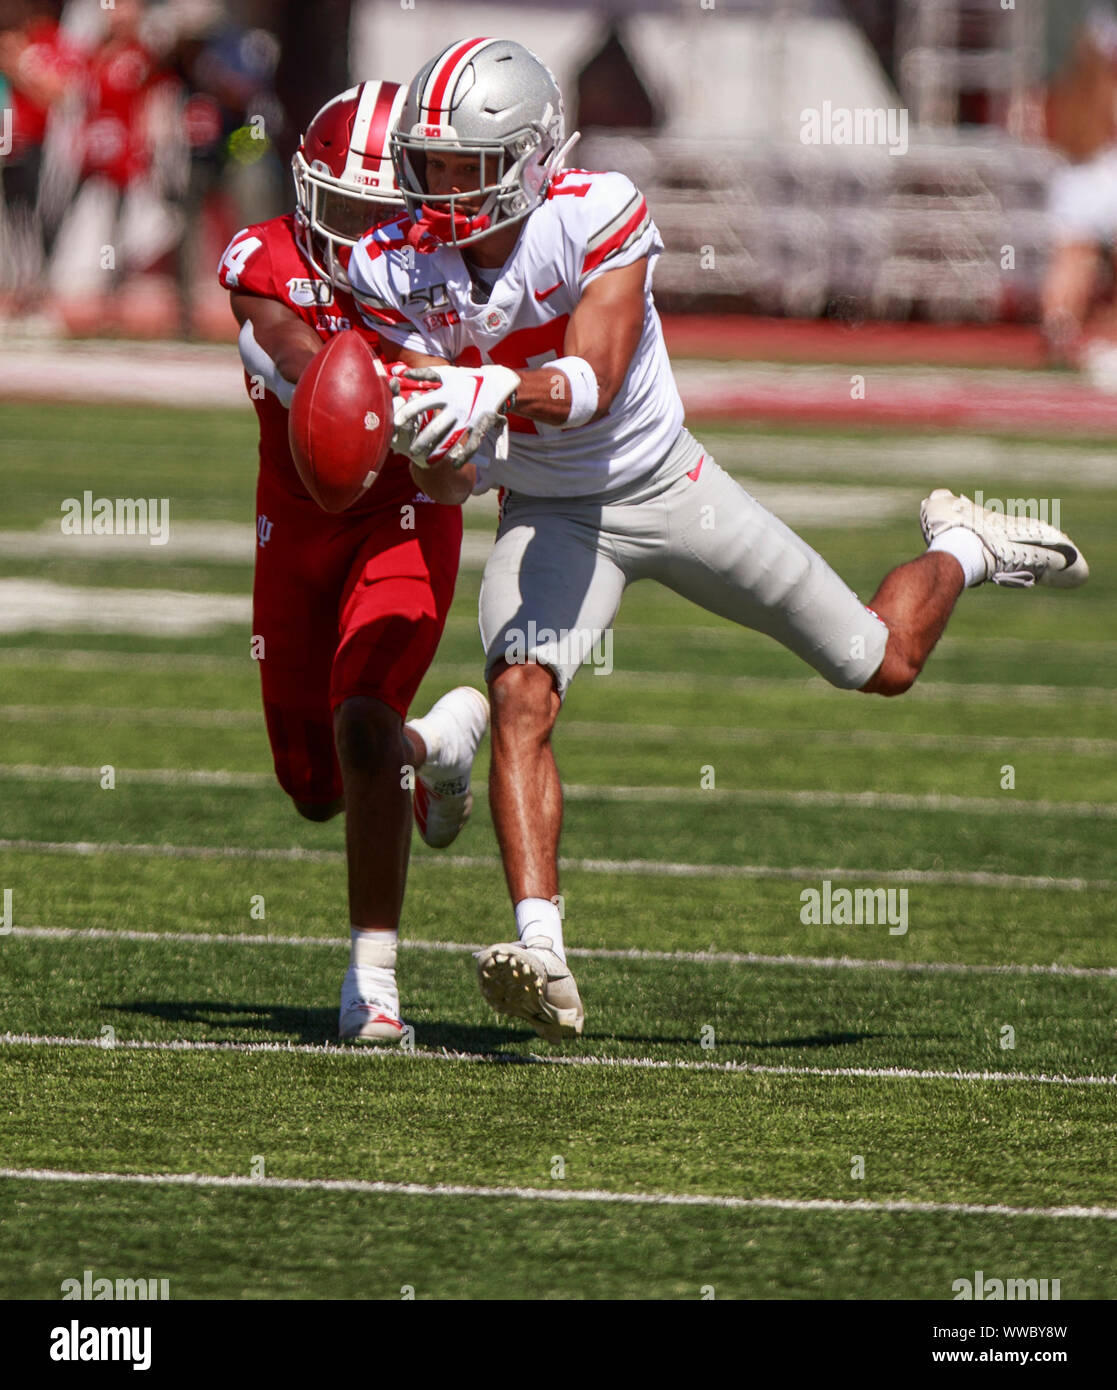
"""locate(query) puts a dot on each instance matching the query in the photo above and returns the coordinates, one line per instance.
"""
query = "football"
(340, 422)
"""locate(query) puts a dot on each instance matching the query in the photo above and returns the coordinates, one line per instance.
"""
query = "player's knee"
(898, 687)
(369, 736)
(319, 810)
(524, 700)
(895, 675)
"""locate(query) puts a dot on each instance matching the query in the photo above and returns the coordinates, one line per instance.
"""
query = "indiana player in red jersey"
(348, 608)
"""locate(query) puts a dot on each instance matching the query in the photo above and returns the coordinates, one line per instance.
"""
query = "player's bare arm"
(598, 347)
(279, 332)
(604, 331)
(444, 483)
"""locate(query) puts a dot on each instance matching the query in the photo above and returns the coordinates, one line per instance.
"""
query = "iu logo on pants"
(263, 530)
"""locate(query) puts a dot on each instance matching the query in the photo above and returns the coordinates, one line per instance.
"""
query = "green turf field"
(746, 1077)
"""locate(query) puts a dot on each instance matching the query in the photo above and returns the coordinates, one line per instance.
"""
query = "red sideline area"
(905, 398)
(147, 309)
(772, 372)
(739, 337)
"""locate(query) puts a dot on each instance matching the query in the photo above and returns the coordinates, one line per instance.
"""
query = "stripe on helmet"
(438, 91)
(377, 112)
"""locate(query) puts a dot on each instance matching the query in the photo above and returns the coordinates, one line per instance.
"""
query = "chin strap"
(560, 158)
(437, 228)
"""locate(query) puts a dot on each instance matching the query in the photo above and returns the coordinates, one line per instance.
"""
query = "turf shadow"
(296, 1025)
(308, 1025)
(320, 1026)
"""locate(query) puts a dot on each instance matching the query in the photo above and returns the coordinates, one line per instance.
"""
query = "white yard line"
(42, 605)
(574, 791)
(890, 801)
(937, 691)
(631, 731)
(220, 542)
(39, 933)
(926, 460)
(637, 731)
(557, 1194)
(534, 1059)
(78, 659)
(155, 373)
(648, 867)
(116, 714)
(683, 682)
(157, 776)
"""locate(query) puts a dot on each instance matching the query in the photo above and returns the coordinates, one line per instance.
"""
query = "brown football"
(340, 421)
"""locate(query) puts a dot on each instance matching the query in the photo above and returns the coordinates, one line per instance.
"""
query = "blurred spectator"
(38, 65)
(230, 121)
(138, 135)
(118, 137)
(1082, 124)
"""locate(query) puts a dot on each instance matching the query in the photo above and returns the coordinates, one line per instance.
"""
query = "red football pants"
(346, 604)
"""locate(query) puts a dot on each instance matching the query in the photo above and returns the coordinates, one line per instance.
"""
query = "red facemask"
(438, 228)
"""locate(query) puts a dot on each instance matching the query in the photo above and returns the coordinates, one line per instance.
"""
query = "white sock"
(538, 917)
(967, 549)
(429, 735)
(373, 950)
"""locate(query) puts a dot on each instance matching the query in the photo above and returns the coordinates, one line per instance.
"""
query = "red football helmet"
(344, 180)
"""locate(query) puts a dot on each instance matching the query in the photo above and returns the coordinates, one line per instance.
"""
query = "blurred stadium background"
(158, 129)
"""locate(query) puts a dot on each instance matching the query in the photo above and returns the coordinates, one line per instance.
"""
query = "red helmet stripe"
(443, 71)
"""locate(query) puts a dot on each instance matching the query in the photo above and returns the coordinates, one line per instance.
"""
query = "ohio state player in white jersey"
(536, 284)
(588, 225)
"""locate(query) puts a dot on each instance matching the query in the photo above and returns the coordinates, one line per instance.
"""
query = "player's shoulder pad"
(246, 263)
(603, 211)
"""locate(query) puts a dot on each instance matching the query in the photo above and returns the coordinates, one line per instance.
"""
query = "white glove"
(462, 407)
(404, 390)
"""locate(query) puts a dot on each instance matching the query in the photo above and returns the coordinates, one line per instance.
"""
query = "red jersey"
(115, 142)
(47, 52)
(266, 259)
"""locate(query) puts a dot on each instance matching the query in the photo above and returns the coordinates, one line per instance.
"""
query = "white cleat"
(528, 980)
(369, 1007)
(452, 731)
(1019, 550)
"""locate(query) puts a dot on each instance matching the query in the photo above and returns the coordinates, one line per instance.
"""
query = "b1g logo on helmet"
(434, 132)
(308, 293)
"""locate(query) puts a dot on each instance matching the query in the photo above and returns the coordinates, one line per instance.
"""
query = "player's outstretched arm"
(466, 403)
(280, 335)
(602, 336)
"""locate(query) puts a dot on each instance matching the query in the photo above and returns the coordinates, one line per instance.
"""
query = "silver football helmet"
(494, 99)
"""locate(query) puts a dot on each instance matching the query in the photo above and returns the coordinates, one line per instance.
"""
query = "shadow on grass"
(221, 1020)
(226, 1021)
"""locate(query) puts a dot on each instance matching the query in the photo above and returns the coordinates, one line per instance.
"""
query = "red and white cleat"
(452, 731)
(369, 1007)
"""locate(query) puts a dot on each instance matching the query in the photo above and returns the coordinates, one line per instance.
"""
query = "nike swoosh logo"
(541, 295)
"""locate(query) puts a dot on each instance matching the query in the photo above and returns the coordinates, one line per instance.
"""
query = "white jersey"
(589, 224)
